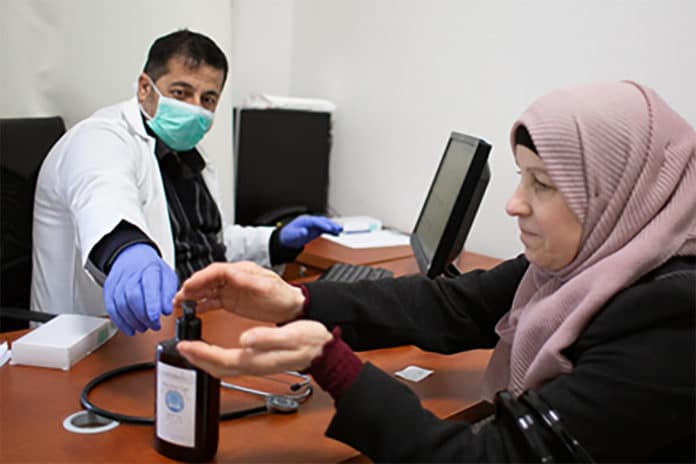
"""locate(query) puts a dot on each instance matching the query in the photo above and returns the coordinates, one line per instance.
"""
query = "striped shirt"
(194, 216)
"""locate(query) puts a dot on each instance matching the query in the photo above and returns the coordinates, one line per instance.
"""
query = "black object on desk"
(282, 164)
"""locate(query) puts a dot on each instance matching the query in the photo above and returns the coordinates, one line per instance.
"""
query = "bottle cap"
(188, 326)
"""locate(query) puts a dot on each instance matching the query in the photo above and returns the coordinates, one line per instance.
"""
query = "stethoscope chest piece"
(281, 404)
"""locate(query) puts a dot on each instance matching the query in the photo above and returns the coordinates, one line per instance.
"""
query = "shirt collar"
(184, 164)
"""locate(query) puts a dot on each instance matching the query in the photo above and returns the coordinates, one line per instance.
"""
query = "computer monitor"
(451, 205)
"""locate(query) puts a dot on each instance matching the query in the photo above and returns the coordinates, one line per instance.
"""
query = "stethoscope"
(276, 403)
(280, 403)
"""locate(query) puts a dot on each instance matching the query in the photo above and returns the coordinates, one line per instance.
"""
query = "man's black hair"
(196, 50)
(522, 137)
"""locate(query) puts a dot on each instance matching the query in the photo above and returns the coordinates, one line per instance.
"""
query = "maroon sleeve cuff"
(337, 367)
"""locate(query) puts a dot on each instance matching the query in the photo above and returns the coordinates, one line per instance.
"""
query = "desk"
(34, 401)
(321, 254)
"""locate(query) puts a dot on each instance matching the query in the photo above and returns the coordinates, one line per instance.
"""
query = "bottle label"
(176, 405)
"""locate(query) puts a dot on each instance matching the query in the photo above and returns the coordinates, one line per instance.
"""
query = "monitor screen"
(451, 204)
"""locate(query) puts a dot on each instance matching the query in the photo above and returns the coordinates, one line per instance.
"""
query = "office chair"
(24, 143)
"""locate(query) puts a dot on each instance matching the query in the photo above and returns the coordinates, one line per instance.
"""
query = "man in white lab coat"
(127, 200)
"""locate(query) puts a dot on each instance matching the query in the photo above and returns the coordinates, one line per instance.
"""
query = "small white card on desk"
(413, 373)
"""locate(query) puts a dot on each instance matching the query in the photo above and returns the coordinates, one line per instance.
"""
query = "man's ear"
(144, 87)
(147, 96)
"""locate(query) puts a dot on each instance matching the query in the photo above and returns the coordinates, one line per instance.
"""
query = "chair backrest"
(24, 143)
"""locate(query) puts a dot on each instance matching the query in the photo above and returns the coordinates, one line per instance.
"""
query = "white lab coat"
(103, 171)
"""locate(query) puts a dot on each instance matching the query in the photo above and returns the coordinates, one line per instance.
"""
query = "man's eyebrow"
(181, 83)
(189, 86)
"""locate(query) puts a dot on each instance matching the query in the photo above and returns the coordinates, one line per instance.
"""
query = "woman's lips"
(526, 236)
(526, 232)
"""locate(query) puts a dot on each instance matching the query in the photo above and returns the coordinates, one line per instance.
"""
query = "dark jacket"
(630, 397)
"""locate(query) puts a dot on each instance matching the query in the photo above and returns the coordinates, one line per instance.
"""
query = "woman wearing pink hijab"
(594, 323)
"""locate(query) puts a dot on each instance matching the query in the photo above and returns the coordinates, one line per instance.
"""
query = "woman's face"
(549, 230)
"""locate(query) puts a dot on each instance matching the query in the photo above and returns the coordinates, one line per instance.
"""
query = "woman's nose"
(517, 205)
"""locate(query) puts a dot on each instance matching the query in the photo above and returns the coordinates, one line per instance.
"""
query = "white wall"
(71, 57)
(405, 73)
(261, 54)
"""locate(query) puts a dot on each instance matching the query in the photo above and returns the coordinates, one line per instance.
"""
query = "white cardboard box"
(62, 341)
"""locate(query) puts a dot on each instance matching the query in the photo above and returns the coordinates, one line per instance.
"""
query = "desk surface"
(35, 401)
(320, 254)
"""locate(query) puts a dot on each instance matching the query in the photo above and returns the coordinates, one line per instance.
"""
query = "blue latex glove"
(140, 286)
(304, 229)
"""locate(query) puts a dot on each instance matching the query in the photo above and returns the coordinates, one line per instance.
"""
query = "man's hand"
(243, 288)
(139, 288)
(304, 229)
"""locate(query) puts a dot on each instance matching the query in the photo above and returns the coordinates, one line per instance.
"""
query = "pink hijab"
(625, 163)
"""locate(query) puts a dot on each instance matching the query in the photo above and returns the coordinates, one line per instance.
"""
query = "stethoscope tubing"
(297, 396)
(137, 420)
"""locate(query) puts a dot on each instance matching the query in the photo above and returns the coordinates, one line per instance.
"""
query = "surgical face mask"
(178, 124)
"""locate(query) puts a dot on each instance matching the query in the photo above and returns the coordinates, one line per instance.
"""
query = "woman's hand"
(264, 350)
(243, 288)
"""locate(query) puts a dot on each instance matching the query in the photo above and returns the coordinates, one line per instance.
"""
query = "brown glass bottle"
(187, 399)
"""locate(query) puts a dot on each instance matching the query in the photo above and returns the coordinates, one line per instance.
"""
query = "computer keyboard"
(341, 272)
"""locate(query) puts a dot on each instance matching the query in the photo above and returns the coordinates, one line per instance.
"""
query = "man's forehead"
(185, 72)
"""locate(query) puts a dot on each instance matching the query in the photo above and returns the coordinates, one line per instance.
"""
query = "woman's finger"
(217, 361)
(222, 362)
(269, 338)
(276, 361)
(288, 337)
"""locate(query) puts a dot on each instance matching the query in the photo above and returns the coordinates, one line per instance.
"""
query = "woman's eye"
(540, 186)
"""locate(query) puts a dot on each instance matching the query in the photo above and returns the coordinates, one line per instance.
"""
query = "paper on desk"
(376, 239)
(358, 224)
(264, 102)
(413, 373)
(4, 353)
